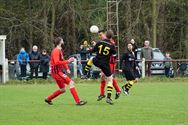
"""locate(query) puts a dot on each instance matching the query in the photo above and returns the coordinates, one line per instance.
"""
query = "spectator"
(83, 53)
(23, 59)
(134, 49)
(34, 63)
(147, 53)
(168, 64)
(87, 47)
(44, 64)
(134, 46)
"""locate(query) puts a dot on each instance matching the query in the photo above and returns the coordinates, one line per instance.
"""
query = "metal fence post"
(143, 67)
(75, 68)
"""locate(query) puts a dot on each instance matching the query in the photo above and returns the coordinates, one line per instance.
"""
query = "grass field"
(151, 102)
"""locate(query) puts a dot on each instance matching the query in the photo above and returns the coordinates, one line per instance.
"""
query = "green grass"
(152, 102)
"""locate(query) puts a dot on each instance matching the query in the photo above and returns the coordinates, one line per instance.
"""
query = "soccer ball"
(94, 29)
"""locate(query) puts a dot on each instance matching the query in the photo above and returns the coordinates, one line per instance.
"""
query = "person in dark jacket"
(34, 56)
(83, 54)
(168, 65)
(23, 59)
(44, 64)
(127, 66)
(134, 46)
(137, 71)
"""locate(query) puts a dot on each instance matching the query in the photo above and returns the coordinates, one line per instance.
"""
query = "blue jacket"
(23, 58)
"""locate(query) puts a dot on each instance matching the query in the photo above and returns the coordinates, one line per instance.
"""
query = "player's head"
(58, 42)
(102, 34)
(130, 47)
(109, 34)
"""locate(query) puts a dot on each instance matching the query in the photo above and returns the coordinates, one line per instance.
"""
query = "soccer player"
(127, 66)
(104, 49)
(58, 63)
(102, 36)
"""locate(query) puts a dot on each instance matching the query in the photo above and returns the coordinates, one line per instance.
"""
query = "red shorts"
(112, 68)
(61, 79)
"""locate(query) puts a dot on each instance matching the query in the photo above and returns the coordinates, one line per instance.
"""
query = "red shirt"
(57, 61)
(112, 57)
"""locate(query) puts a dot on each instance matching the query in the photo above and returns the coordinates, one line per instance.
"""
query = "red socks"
(102, 87)
(116, 86)
(54, 94)
(75, 95)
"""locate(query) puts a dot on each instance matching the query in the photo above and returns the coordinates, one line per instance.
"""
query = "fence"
(177, 67)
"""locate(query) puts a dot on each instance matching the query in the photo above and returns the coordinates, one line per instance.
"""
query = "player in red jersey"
(58, 63)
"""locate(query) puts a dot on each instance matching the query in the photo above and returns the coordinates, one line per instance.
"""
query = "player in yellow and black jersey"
(104, 49)
(128, 66)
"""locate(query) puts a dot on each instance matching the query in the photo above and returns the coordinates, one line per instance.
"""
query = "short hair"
(109, 34)
(35, 47)
(57, 41)
(101, 31)
(44, 50)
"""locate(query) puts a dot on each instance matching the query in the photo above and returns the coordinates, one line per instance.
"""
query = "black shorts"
(129, 74)
(105, 67)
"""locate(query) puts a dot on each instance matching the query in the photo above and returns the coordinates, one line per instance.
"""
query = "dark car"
(157, 68)
(182, 68)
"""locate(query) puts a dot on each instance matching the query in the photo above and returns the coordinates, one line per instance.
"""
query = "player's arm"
(56, 57)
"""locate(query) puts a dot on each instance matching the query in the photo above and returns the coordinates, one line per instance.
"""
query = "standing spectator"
(23, 59)
(87, 47)
(134, 49)
(34, 63)
(147, 53)
(134, 46)
(79, 67)
(44, 64)
(168, 65)
(83, 53)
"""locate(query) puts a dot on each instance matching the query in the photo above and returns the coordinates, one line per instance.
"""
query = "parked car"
(182, 68)
(157, 68)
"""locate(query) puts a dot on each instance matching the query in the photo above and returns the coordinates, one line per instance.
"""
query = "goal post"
(3, 61)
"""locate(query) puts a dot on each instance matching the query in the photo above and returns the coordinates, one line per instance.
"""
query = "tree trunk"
(154, 17)
(30, 41)
(186, 42)
(52, 24)
(45, 19)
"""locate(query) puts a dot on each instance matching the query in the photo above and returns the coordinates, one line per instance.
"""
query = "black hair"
(101, 31)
